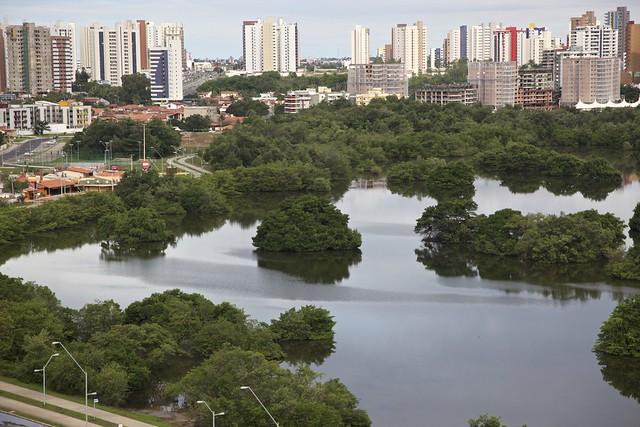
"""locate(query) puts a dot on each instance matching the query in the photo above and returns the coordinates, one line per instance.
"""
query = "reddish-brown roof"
(56, 183)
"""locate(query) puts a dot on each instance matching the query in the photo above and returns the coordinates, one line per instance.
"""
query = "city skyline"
(211, 35)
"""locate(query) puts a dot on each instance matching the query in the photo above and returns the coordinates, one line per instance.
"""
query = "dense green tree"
(447, 222)
(81, 82)
(98, 317)
(136, 89)
(620, 333)
(306, 224)
(247, 107)
(634, 225)
(629, 93)
(195, 123)
(486, 421)
(112, 384)
(125, 230)
(124, 138)
(309, 323)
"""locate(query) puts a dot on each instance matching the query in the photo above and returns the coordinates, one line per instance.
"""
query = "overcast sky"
(213, 27)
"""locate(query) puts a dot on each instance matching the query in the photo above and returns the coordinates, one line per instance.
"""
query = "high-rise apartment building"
(3, 62)
(360, 45)
(63, 69)
(618, 20)
(170, 30)
(270, 45)
(464, 41)
(599, 40)
(145, 39)
(587, 19)
(451, 46)
(435, 58)
(166, 71)
(632, 56)
(480, 42)
(68, 29)
(589, 80)
(28, 50)
(110, 53)
(496, 82)
(409, 44)
(389, 78)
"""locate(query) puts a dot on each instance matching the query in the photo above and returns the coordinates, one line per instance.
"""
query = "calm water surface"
(417, 348)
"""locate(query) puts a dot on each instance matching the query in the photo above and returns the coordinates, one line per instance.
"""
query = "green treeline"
(124, 138)
(350, 141)
(273, 82)
(556, 239)
(173, 339)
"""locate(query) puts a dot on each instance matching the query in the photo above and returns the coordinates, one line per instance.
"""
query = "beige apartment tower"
(409, 46)
(589, 80)
(496, 82)
(29, 67)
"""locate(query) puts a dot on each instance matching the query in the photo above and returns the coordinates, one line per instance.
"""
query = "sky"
(213, 28)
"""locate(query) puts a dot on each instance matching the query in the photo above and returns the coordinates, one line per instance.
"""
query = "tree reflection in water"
(299, 353)
(556, 281)
(621, 373)
(316, 267)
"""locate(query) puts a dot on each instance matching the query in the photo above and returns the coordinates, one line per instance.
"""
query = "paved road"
(16, 151)
(41, 413)
(181, 163)
(77, 407)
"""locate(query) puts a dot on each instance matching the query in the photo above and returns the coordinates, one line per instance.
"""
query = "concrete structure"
(62, 63)
(480, 42)
(535, 88)
(632, 56)
(110, 53)
(464, 41)
(3, 61)
(444, 94)
(496, 82)
(68, 29)
(409, 45)
(365, 98)
(599, 40)
(435, 58)
(389, 78)
(298, 100)
(28, 50)
(65, 116)
(360, 45)
(554, 59)
(166, 71)
(270, 45)
(589, 80)
(167, 33)
(587, 19)
(618, 20)
(451, 47)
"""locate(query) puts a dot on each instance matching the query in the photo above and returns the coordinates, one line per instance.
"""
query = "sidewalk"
(41, 413)
(77, 407)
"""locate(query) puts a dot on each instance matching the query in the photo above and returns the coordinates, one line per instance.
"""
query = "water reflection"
(621, 373)
(556, 281)
(317, 267)
(298, 353)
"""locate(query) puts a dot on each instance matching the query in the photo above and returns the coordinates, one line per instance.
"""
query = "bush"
(306, 224)
(620, 333)
(309, 323)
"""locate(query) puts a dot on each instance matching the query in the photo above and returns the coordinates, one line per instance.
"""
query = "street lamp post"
(95, 400)
(213, 414)
(86, 383)
(245, 387)
(44, 378)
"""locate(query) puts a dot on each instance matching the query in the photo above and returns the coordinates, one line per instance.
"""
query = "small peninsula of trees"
(308, 323)
(306, 224)
(620, 333)
(170, 344)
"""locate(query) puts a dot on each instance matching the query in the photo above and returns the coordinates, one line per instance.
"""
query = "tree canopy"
(620, 333)
(306, 224)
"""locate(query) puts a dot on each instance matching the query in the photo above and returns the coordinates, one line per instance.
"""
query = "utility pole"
(144, 141)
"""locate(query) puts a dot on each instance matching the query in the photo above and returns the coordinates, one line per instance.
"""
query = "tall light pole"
(44, 378)
(246, 387)
(213, 414)
(86, 383)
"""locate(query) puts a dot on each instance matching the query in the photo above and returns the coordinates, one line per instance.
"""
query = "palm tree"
(40, 127)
